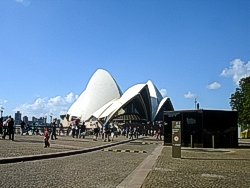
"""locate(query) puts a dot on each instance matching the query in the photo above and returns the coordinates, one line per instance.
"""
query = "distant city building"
(38, 121)
(33, 122)
(34, 119)
(26, 119)
(18, 118)
(5, 117)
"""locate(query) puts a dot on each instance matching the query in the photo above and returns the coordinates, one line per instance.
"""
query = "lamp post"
(195, 103)
(45, 120)
(51, 117)
(1, 110)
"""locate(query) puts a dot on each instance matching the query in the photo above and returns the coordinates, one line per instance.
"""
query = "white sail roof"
(101, 89)
(155, 97)
(127, 96)
(99, 112)
(103, 99)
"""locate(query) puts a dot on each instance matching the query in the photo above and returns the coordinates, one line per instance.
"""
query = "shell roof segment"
(103, 99)
(101, 89)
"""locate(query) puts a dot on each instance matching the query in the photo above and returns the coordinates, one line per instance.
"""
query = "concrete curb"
(58, 154)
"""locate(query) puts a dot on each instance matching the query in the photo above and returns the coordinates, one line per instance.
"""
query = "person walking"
(159, 133)
(112, 132)
(22, 127)
(53, 135)
(73, 129)
(106, 132)
(1, 126)
(11, 129)
(82, 130)
(131, 132)
(96, 132)
(46, 138)
(5, 129)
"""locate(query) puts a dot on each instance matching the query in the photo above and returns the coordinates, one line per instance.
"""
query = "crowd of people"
(7, 128)
(106, 131)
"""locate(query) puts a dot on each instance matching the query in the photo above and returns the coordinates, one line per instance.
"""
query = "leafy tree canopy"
(240, 101)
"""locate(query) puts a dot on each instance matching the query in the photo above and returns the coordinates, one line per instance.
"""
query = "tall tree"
(240, 101)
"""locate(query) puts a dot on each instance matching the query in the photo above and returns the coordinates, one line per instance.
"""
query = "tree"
(240, 101)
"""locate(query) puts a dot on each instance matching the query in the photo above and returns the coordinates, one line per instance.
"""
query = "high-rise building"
(34, 119)
(18, 118)
(26, 119)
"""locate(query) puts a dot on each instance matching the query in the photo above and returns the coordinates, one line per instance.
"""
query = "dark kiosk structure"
(203, 128)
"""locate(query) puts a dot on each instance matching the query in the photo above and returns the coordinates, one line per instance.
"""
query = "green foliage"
(240, 101)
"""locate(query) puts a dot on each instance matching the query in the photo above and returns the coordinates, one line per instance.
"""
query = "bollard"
(213, 141)
(191, 141)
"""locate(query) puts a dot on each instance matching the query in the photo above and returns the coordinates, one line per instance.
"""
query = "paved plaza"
(151, 165)
(201, 168)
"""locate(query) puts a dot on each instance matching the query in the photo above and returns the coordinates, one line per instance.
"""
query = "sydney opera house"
(103, 101)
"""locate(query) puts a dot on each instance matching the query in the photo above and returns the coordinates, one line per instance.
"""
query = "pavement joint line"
(137, 177)
(145, 143)
(125, 150)
(57, 154)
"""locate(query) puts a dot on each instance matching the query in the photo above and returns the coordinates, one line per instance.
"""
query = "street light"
(195, 103)
(45, 120)
(1, 110)
(51, 117)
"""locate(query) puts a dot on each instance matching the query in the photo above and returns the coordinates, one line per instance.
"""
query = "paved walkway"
(31, 148)
(27, 148)
(137, 177)
(197, 167)
(201, 167)
(32, 145)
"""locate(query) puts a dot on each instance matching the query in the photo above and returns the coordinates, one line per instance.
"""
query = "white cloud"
(2, 102)
(238, 70)
(71, 97)
(163, 92)
(23, 2)
(45, 106)
(56, 101)
(189, 95)
(214, 86)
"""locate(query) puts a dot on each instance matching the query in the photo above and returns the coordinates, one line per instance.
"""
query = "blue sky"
(49, 49)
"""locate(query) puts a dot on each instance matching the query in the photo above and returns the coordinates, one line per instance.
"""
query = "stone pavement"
(31, 147)
(137, 177)
(156, 168)
(202, 168)
(34, 145)
(92, 169)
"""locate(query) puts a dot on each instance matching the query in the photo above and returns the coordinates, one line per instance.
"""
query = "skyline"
(50, 49)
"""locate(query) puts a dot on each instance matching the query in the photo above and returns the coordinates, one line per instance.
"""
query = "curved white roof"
(127, 96)
(131, 92)
(154, 92)
(160, 106)
(99, 112)
(101, 89)
(155, 97)
(76, 105)
(103, 99)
